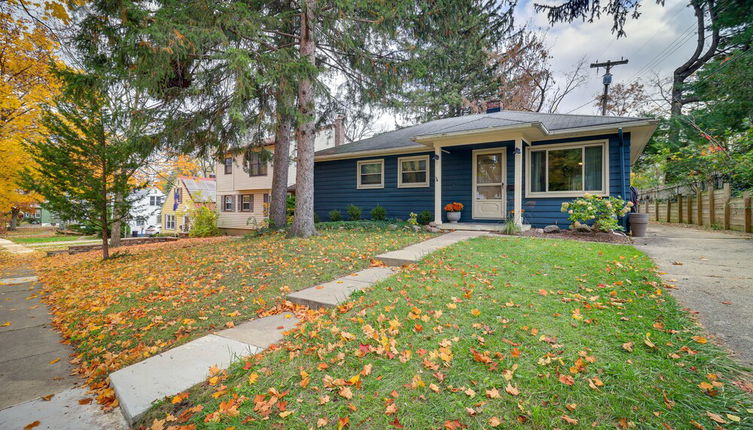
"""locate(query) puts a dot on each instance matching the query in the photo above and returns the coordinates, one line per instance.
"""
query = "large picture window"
(568, 170)
(370, 174)
(413, 171)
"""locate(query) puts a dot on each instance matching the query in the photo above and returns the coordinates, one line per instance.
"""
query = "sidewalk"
(14, 248)
(34, 364)
(713, 276)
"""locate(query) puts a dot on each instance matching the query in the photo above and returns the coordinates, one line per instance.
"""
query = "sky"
(659, 41)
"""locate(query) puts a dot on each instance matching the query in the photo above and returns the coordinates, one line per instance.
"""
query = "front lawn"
(153, 297)
(494, 332)
(49, 239)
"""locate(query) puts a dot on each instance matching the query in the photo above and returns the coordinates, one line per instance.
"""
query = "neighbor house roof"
(202, 190)
(545, 124)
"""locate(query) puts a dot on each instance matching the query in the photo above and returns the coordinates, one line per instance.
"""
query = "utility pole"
(607, 79)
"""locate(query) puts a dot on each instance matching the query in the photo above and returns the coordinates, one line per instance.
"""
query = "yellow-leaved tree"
(27, 48)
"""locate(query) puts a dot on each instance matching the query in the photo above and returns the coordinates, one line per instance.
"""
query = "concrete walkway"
(34, 364)
(14, 248)
(713, 275)
(414, 253)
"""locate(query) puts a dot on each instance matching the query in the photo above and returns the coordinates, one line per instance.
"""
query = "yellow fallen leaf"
(55, 361)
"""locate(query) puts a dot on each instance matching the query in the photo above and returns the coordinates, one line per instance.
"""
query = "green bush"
(316, 218)
(203, 223)
(354, 212)
(335, 215)
(425, 217)
(379, 213)
(602, 211)
(290, 205)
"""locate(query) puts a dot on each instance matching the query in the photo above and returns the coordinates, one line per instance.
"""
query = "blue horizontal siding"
(335, 187)
(335, 184)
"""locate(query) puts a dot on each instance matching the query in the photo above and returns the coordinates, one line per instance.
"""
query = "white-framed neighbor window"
(370, 174)
(413, 172)
(169, 222)
(155, 200)
(228, 203)
(567, 170)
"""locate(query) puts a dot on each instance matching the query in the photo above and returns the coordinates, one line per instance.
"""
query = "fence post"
(748, 216)
(656, 208)
(679, 208)
(669, 210)
(690, 209)
(699, 205)
(727, 214)
(712, 204)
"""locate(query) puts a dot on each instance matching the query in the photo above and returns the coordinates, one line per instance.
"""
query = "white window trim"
(553, 194)
(400, 183)
(358, 174)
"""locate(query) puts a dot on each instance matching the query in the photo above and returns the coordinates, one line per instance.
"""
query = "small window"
(170, 222)
(140, 221)
(155, 201)
(266, 204)
(256, 167)
(413, 172)
(247, 202)
(567, 170)
(228, 203)
(228, 165)
(370, 174)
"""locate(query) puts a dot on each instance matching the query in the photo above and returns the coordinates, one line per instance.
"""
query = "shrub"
(602, 211)
(379, 213)
(354, 212)
(412, 218)
(290, 205)
(316, 218)
(335, 215)
(203, 223)
(425, 217)
(511, 227)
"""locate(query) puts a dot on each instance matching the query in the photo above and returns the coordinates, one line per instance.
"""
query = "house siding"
(335, 184)
(335, 187)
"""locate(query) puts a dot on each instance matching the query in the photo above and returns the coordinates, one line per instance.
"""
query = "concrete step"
(171, 372)
(332, 293)
(414, 253)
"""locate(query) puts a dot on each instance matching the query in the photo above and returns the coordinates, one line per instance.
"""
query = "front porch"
(470, 226)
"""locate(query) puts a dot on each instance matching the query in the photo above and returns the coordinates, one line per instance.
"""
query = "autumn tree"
(83, 167)
(26, 51)
(625, 100)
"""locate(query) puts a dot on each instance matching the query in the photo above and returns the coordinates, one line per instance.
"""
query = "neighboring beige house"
(186, 195)
(245, 184)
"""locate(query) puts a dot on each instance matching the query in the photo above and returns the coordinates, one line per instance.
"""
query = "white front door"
(489, 183)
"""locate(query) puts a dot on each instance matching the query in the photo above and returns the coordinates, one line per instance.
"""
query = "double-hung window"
(256, 166)
(228, 203)
(370, 174)
(247, 202)
(169, 222)
(228, 165)
(413, 171)
(567, 170)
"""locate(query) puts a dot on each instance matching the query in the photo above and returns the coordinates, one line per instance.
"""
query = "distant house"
(186, 195)
(146, 210)
(502, 165)
(244, 183)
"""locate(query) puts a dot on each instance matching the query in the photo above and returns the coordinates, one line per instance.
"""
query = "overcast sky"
(660, 40)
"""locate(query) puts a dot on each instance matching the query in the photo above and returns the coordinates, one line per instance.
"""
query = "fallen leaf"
(493, 393)
(628, 346)
(32, 425)
(569, 420)
(48, 397)
(716, 418)
(85, 401)
(494, 422)
(55, 361)
(321, 422)
(512, 390)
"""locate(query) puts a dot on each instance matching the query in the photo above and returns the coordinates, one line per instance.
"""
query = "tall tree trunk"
(303, 224)
(14, 212)
(695, 62)
(117, 221)
(281, 163)
(105, 246)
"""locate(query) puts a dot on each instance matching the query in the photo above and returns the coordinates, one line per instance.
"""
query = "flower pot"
(638, 224)
(453, 216)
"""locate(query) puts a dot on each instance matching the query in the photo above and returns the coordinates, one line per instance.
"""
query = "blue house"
(504, 165)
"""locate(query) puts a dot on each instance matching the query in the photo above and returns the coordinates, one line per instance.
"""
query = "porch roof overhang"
(640, 132)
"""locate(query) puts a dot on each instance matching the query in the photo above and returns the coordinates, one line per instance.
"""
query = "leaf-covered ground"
(490, 333)
(154, 297)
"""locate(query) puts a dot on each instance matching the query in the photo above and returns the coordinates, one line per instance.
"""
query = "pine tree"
(82, 164)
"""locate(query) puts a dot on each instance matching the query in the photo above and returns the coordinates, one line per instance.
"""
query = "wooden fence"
(699, 204)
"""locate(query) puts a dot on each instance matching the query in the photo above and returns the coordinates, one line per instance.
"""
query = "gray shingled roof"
(202, 190)
(403, 138)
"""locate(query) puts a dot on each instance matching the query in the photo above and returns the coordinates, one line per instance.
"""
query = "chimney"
(339, 130)
(493, 106)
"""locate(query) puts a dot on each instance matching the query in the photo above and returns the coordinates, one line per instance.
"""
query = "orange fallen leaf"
(85, 401)
(512, 390)
(55, 361)
(32, 425)
(716, 418)
(48, 397)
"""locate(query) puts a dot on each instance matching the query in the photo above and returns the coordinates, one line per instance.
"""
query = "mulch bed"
(586, 237)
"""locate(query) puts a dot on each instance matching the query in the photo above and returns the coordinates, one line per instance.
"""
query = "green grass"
(49, 239)
(123, 310)
(547, 324)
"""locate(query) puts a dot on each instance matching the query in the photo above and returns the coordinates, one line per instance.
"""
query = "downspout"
(624, 191)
